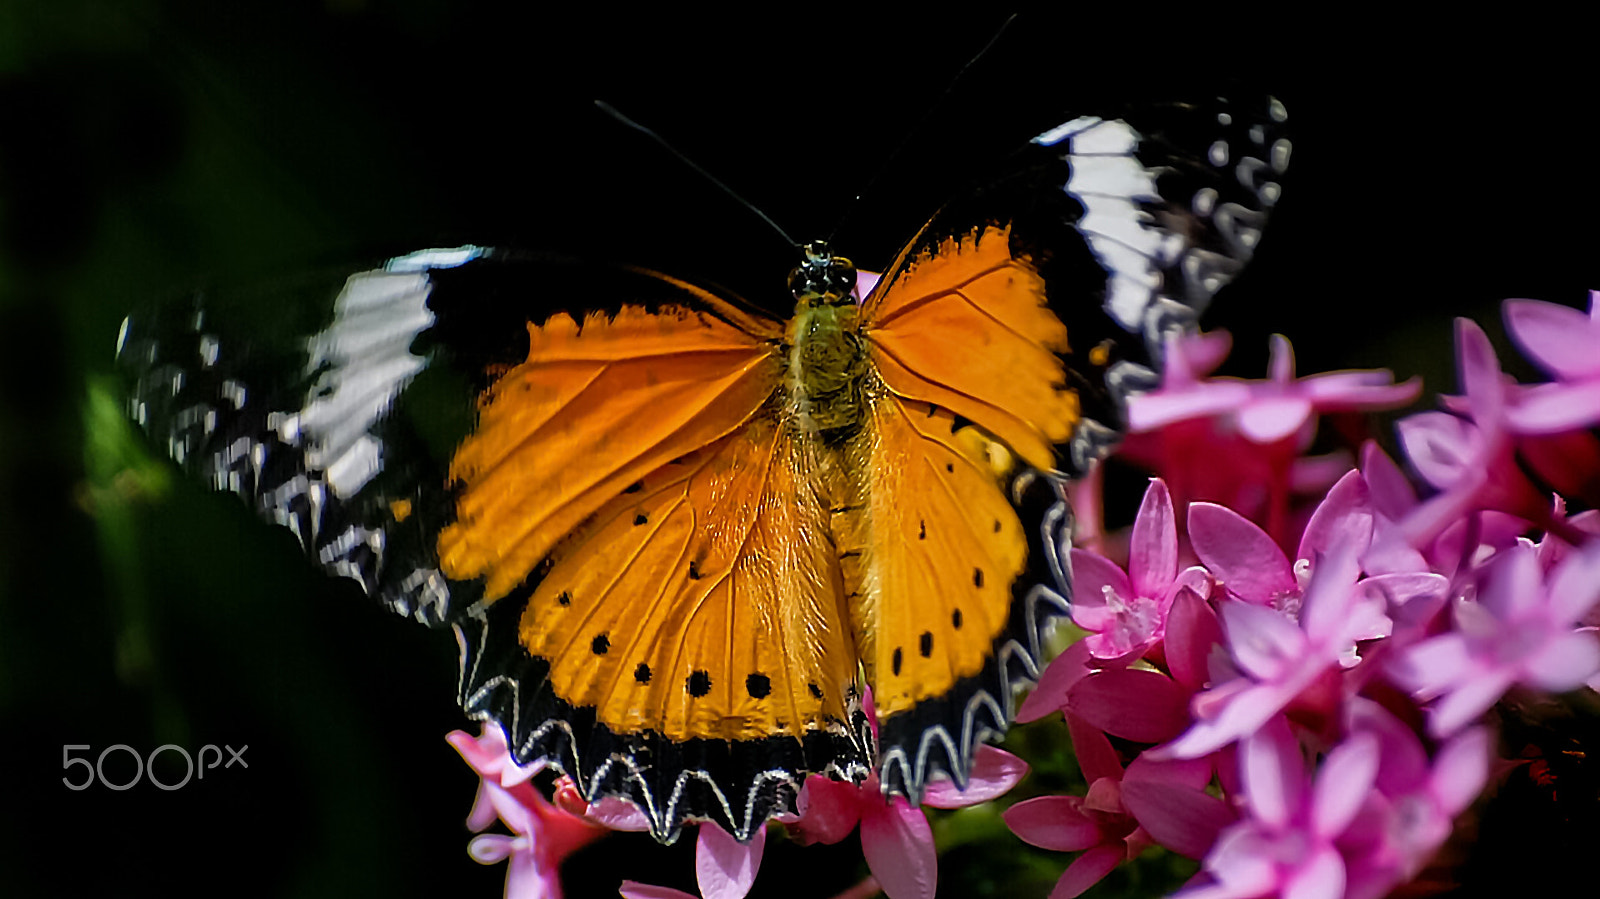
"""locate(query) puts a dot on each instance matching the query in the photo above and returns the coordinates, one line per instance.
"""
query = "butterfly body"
(678, 539)
(826, 362)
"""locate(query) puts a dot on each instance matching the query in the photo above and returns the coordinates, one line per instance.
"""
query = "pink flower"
(1288, 843)
(1271, 410)
(1566, 344)
(1409, 812)
(1243, 454)
(543, 833)
(543, 836)
(1135, 704)
(487, 755)
(724, 868)
(1521, 629)
(1103, 824)
(1251, 566)
(1393, 499)
(1126, 613)
(1470, 461)
(1278, 659)
(895, 836)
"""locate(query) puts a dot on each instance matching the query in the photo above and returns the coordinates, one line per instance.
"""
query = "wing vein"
(977, 399)
(595, 479)
(906, 308)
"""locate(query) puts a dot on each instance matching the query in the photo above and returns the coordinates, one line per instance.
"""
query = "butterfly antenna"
(917, 129)
(610, 110)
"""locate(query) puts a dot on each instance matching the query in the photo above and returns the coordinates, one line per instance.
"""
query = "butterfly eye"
(823, 279)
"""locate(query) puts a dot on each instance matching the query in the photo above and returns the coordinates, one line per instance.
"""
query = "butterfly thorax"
(826, 364)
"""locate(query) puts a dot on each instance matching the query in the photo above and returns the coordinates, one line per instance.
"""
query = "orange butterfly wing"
(594, 408)
(967, 327)
(967, 392)
(632, 495)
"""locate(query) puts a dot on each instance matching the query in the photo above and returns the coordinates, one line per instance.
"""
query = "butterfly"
(678, 537)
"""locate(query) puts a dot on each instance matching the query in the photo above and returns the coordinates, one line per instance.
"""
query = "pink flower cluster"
(1286, 672)
(1312, 724)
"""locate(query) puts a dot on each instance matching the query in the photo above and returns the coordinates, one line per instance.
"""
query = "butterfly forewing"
(1005, 372)
(595, 407)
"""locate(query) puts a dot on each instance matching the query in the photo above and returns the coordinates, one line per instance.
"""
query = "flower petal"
(1262, 640)
(1244, 711)
(829, 810)
(1347, 390)
(1053, 822)
(632, 889)
(1240, 554)
(1427, 668)
(1132, 703)
(994, 773)
(1066, 669)
(515, 807)
(1320, 877)
(1550, 408)
(490, 848)
(1343, 518)
(1274, 774)
(615, 813)
(1335, 612)
(1153, 547)
(1481, 378)
(1391, 492)
(1403, 764)
(1461, 769)
(1087, 870)
(724, 867)
(1560, 339)
(1467, 701)
(1443, 448)
(1575, 585)
(1270, 419)
(1097, 758)
(1184, 819)
(1342, 783)
(1092, 576)
(1563, 663)
(1149, 411)
(1515, 585)
(1192, 631)
(898, 845)
(528, 878)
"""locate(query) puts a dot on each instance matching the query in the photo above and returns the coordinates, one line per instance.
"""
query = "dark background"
(153, 146)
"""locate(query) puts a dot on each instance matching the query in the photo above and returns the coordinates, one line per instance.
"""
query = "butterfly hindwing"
(700, 615)
(312, 432)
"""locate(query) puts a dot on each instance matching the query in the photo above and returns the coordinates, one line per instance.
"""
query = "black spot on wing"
(758, 685)
(699, 684)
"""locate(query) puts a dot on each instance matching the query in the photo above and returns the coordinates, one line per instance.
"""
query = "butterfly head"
(822, 279)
